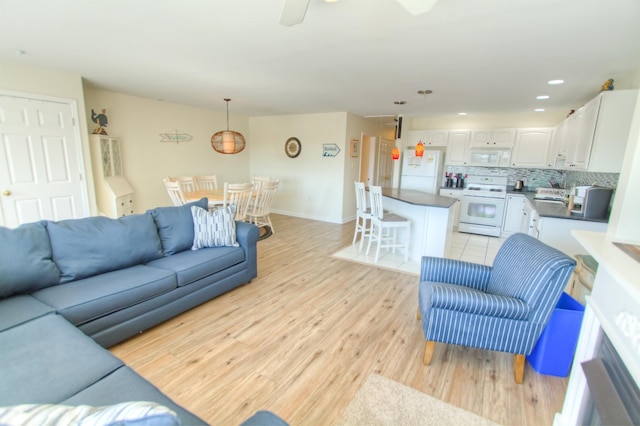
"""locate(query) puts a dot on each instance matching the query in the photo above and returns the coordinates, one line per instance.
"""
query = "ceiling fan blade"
(416, 7)
(293, 12)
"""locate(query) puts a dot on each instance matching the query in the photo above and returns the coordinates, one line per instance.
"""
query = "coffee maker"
(591, 202)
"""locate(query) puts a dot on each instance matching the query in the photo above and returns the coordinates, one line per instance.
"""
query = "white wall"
(311, 186)
(138, 122)
(24, 79)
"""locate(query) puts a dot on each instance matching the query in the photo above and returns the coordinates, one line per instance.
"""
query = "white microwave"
(490, 157)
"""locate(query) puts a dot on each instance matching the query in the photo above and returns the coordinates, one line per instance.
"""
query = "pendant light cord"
(227, 100)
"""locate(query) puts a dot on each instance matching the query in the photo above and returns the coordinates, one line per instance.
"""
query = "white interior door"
(385, 163)
(41, 167)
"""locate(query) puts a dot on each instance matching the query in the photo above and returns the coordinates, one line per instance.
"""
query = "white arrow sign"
(330, 150)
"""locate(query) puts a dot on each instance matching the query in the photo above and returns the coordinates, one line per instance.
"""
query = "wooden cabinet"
(513, 214)
(581, 127)
(531, 148)
(557, 157)
(457, 194)
(458, 147)
(504, 138)
(114, 195)
(427, 137)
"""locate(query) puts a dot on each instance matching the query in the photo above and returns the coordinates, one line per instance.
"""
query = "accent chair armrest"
(437, 269)
(467, 300)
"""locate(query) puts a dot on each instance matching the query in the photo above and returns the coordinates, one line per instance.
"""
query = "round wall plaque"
(292, 147)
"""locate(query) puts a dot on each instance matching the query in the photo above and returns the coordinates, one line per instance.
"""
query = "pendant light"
(395, 154)
(419, 149)
(228, 141)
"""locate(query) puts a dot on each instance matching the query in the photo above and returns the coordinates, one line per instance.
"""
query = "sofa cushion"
(214, 228)
(48, 360)
(25, 260)
(175, 226)
(86, 247)
(124, 384)
(134, 413)
(20, 309)
(94, 297)
(190, 266)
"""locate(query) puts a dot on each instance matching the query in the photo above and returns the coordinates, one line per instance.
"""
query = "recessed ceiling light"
(399, 102)
(539, 110)
(553, 82)
(425, 92)
(542, 97)
(462, 113)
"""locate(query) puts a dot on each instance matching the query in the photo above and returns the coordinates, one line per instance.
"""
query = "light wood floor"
(302, 337)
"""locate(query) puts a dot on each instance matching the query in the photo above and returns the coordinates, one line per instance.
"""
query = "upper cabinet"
(428, 138)
(458, 148)
(504, 138)
(531, 148)
(594, 138)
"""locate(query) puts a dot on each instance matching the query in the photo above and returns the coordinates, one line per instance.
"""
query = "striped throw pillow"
(214, 228)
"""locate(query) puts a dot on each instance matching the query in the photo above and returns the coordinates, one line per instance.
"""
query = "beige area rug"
(381, 401)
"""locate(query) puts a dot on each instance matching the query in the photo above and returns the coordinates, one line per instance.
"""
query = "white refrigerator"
(422, 173)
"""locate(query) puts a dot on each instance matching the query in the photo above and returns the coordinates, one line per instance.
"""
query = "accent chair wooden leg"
(518, 368)
(418, 316)
(428, 351)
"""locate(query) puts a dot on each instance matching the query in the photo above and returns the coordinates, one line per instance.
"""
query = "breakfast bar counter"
(431, 218)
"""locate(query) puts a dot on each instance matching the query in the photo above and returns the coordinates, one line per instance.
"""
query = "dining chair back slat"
(207, 183)
(239, 194)
(175, 192)
(260, 210)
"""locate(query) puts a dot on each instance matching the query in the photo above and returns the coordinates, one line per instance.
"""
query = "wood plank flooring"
(302, 337)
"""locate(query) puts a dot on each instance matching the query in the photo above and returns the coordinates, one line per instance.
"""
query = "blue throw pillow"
(25, 260)
(214, 229)
(175, 226)
(93, 245)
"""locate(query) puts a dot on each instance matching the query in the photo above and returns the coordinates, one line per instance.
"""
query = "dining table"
(215, 196)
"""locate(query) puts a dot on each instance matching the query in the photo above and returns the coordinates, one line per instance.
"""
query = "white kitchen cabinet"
(429, 138)
(595, 137)
(457, 194)
(557, 233)
(513, 213)
(531, 148)
(612, 130)
(114, 195)
(458, 147)
(582, 125)
(504, 138)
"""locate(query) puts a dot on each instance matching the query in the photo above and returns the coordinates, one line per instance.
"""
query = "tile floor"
(468, 247)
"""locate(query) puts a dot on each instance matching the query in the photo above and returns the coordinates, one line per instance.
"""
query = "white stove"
(486, 186)
(482, 205)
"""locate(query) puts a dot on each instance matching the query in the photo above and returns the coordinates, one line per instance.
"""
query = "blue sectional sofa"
(72, 288)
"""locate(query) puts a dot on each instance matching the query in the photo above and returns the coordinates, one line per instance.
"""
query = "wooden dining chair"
(260, 210)
(175, 192)
(206, 183)
(187, 183)
(239, 194)
(259, 180)
(363, 214)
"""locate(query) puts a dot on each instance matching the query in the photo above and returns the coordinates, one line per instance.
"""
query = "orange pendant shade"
(395, 154)
(419, 149)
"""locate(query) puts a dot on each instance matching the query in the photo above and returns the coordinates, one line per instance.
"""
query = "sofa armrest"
(247, 235)
(462, 299)
(437, 269)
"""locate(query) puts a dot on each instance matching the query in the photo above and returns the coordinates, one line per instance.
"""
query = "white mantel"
(612, 308)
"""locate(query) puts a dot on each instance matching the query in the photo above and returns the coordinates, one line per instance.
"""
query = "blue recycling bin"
(553, 353)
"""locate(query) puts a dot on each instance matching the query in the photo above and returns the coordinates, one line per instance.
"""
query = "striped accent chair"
(503, 307)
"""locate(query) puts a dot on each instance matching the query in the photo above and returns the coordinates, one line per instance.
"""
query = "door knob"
(6, 193)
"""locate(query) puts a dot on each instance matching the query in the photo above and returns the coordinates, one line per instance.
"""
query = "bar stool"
(384, 226)
(363, 214)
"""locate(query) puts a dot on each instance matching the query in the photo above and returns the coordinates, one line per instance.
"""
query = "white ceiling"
(478, 56)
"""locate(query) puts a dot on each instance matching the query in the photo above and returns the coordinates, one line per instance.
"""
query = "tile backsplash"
(535, 178)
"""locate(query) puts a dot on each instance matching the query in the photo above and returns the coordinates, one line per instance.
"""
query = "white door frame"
(82, 168)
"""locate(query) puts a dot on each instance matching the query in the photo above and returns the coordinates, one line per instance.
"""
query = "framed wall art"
(355, 148)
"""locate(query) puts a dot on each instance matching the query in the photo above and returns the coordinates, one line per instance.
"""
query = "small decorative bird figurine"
(608, 85)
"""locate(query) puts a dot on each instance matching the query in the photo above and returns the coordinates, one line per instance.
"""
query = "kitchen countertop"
(552, 209)
(419, 198)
